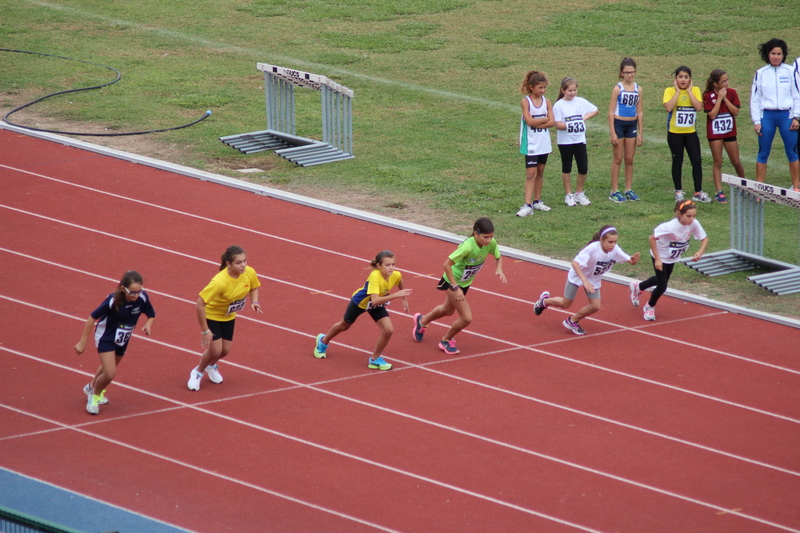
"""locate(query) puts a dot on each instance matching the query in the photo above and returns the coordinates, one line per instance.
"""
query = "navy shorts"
(110, 346)
(221, 330)
(353, 311)
(626, 129)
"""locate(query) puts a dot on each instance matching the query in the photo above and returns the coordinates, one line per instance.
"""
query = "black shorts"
(535, 160)
(353, 311)
(731, 139)
(221, 330)
(626, 129)
(110, 346)
(445, 285)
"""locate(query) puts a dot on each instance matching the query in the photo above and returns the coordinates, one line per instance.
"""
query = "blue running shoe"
(320, 349)
(630, 195)
(379, 364)
(449, 347)
(617, 197)
(419, 329)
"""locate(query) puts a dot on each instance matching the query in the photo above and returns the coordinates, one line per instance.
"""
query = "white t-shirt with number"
(572, 112)
(595, 262)
(672, 239)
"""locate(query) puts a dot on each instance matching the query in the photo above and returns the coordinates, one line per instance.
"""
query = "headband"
(612, 228)
(684, 204)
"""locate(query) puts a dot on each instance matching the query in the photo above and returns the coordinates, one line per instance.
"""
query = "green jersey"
(469, 258)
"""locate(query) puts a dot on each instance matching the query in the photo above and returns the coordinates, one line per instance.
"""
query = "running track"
(687, 424)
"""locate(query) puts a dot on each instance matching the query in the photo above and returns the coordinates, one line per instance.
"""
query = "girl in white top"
(534, 139)
(668, 243)
(587, 271)
(570, 113)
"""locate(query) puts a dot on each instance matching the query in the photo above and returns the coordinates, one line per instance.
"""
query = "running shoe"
(573, 327)
(539, 306)
(320, 350)
(538, 205)
(635, 292)
(93, 404)
(449, 347)
(88, 391)
(194, 379)
(649, 312)
(630, 195)
(525, 210)
(701, 197)
(582, 199)
(379, 364)
(679, 196)
(213, 374)
(617, 197)
(419, 329)
(720, 197)
(570, 200)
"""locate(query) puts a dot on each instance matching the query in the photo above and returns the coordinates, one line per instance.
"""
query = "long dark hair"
(128, 278)
(627, 62)
(713, 78)
(229, 254)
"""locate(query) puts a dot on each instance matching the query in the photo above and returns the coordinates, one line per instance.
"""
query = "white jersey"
(595, 262)
(534, 141)
(572, 112)
(774, 88)
(672, 239)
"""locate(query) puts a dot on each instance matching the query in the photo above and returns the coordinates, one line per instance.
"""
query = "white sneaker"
(213, 374)
(649, 312)
(194, 379)
(87, 390)
(635, 292)
(524, 211)
(679, 196)
(582, 199)
(701, 197)
(569, 200)
(93, 405)
(539, 206)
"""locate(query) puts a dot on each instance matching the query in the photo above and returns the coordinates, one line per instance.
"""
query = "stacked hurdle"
(280, 135)
(748, 199)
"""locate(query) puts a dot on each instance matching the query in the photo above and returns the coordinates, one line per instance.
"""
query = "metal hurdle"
(748, 199)
(280, 135)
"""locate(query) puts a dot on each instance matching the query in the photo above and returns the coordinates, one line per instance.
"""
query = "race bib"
(576, 126)
(123, 335)
(602, 267)
(684, 117)
(676, 249)
(628, 99)
(722, 124)
(470, 271)
(238, 305)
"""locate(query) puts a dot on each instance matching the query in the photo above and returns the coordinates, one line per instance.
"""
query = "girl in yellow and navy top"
(372, 298)
(682, 102)
(217, 306)
(460, 270)
(116, 319)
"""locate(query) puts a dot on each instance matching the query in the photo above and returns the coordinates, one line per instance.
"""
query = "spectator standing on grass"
(460, 270)
(570, 113)
(682, 102)
(116, 321)
(534, 139)
(372, 298)
(721, 104)
(217, 306)
(625, 123)
(775, 105)
(668, 243)
(587, 271)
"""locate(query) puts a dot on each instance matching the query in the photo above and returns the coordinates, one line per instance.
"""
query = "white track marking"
(404, 472)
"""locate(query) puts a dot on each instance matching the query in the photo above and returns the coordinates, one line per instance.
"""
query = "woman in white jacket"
(775, 105)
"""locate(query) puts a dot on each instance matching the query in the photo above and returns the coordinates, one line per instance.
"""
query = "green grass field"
(436, 106)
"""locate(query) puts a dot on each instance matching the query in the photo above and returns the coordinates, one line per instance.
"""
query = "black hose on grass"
(119, 77)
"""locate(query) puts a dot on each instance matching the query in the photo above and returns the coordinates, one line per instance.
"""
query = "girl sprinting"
(116, 321)
(668, 243)
(570, 113)
(217, 306)
(587, 271)
(459, 273)
(372, 298)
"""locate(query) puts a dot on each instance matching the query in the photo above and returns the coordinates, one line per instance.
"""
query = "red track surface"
(687, 424)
